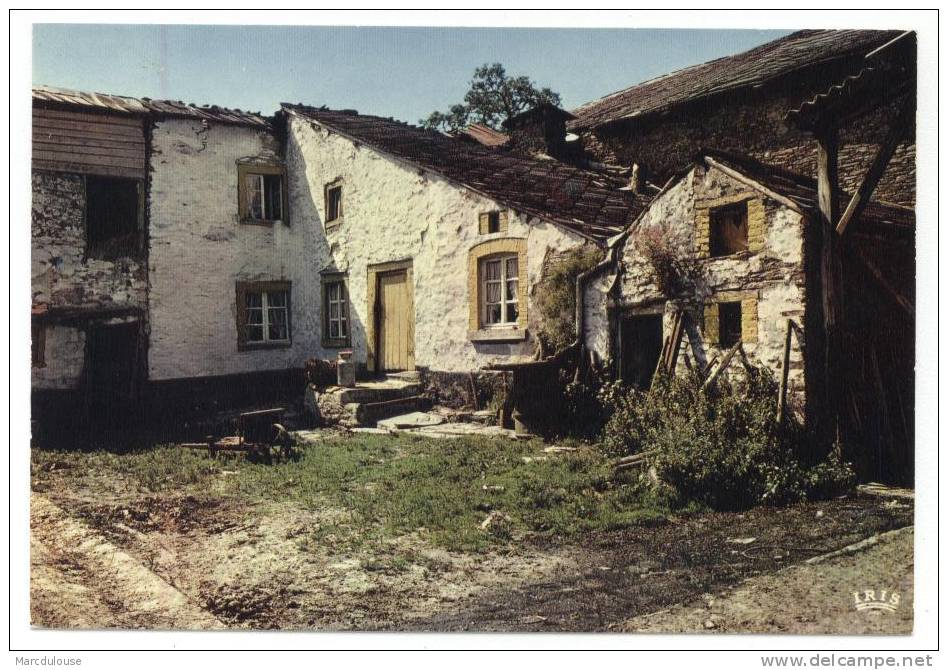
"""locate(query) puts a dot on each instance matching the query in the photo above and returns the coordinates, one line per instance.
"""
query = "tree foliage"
(492, 98)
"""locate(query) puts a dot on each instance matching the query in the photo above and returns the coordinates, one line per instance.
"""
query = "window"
(262, 193)
(500, 291)
(335, 312)
(113, 211)
(729, 323)
(263, 314)
(492, 222)
(333, 203)
(729, 230)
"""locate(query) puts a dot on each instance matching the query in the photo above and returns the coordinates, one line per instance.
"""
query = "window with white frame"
(336, 311)
(263, 314)
(500, 291)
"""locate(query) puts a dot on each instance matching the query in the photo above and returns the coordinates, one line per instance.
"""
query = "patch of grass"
(440, 490)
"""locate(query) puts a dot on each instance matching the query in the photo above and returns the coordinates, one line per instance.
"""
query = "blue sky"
(400, 72)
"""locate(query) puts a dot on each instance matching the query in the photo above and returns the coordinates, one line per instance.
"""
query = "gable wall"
(774, 276)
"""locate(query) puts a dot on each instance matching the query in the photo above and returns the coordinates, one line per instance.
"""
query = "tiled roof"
(581, 201)
(797, 51)
(802, 191)
(47, 95)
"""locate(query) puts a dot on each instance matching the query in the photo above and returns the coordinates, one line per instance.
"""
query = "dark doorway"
(641, 346)
(112, 375)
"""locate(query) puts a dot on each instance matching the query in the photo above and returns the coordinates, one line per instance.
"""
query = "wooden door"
(396, 339)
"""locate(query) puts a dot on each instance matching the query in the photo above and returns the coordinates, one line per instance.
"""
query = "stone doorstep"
(373, 392)
(370, 413)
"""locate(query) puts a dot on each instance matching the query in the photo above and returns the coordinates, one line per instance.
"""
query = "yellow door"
(396, 339)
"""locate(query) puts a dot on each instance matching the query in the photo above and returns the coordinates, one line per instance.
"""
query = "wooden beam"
(722, 367)
(773, 195)
(881, 161)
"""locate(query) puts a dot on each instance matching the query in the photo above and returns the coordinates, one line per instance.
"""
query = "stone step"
(368, 414)
(404, 375)
(373, 392)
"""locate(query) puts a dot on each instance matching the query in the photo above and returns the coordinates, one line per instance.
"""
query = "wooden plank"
(85, 159)
(722, 367)
(88, 139)
(902, 301)
(784, 372)
(94, 117)
(79, 168)
(678, 331)
(98, 128)
(114, 151)
(881, 161)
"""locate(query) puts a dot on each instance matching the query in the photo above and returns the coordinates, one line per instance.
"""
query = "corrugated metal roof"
(484, 135)
(798, 51)
(48, 95)
(582, 201)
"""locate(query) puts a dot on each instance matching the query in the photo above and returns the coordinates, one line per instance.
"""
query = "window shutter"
(483, 223)
(749, 320)
(502, 226)
(285, 193)
(712, 334)
(241, 315)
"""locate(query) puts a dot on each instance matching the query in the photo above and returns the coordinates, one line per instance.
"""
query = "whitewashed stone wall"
(199, 250)
(775, 274)
(62, 276)
(395, 211)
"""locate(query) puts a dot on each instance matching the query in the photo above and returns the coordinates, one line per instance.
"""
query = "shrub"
(678, 275)
(725, 448)
(555, 297)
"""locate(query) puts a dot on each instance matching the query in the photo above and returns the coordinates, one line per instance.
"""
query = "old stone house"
(193, 256)
(738, 103)
(752, 231)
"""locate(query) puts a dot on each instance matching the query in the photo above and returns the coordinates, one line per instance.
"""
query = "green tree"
(492, 98)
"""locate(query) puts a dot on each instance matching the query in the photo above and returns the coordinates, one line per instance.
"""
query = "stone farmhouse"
(195, 257)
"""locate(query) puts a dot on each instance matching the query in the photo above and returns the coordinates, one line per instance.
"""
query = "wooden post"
(830, 276)
(784, 373)
(722, 367)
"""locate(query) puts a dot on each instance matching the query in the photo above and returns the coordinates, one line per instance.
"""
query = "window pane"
(512, 312)
(334, 329)
(278, 330)
(343, 328)
(334, 203)
(512, 268)
(333, 311)
(253, 299)
(493, 292)
(493, 314)
(276, 298)
(512, 290)
(255, 316)
(274, 199)
(255, 333)
(332, 291)
(255, 196)
(492, 270)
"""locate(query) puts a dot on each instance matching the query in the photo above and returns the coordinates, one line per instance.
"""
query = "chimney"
(540, 129)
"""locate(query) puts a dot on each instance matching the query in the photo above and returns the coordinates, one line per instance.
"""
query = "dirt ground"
(181, 561)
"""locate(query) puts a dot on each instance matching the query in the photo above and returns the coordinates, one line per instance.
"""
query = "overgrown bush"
(722, 448)
(555, 296)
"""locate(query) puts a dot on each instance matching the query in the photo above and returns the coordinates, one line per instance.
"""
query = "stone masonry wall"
(770, 282)
(63, 277)
(393, 211)
(753, 124)
(200, 250)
